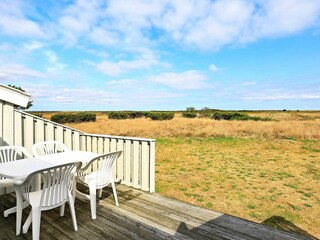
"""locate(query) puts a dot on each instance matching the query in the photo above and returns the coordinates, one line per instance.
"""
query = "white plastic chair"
(96, 175)
(9, 154)
(55, 190)
(48, 147)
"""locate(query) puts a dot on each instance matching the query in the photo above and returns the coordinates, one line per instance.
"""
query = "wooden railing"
(135, 167)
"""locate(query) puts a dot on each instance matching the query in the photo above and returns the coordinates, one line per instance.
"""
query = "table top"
(69, 157)
(22, 168)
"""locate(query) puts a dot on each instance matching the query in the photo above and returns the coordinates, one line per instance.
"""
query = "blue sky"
(162, 54)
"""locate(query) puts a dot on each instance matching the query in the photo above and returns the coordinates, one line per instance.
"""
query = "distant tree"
(190, 109)
(22, 90)
(205, 112)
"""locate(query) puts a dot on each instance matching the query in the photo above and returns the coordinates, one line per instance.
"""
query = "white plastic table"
(20, 169)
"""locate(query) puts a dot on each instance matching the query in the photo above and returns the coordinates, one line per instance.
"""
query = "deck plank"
(140, 216)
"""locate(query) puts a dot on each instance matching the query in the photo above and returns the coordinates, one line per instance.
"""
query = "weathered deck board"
(140, 216)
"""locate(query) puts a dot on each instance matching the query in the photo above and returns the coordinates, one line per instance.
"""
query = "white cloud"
(213, 68)
(99, 53)
(123, 83)
(282, 96)
(251, 83)
(284, 17)
(77, 20)
(53, 60)
(33, 45)
(13, 21)
(12, 71)
(186, 80)
(47, 96)
(122, 66)
(103, 37)
(6, 47)
(206, 24)
(298, 92)
(83, 96)
(147, 59)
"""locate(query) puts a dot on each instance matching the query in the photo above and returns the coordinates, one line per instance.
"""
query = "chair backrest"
(101, 166)
(48, 147)
(55, 184)
(13, 153)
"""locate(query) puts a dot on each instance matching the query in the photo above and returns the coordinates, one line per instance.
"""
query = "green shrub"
(118, 115)
(189, 114)
(133, 115)
(147, 114)
(236, 116)
(73, 117)
(125, 114)
(191, 109)
(85, 117)
(161, 115)
(137, 114)
(205, 112)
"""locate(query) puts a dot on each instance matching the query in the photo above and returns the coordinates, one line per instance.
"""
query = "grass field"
(268, 172)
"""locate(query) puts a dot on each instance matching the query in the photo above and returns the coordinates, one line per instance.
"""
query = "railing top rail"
(48, 121)
(120, 137)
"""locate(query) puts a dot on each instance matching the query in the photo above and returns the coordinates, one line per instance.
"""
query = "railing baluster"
(145, 166)
(119, 175)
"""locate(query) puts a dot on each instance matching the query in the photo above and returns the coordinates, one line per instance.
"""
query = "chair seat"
(93, 177)
(35, 198)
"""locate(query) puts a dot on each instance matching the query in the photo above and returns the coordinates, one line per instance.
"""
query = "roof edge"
(14, 96)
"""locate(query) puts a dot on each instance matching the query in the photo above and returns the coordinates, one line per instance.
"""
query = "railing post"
(152, 165)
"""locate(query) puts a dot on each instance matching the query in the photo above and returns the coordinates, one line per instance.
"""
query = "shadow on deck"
(141, 216)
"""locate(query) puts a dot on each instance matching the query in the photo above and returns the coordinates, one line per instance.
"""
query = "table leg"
(19, 198)
(14, 209)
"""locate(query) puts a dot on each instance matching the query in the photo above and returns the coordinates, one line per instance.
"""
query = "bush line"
(73, 117)
(133, 115)
(236, 116)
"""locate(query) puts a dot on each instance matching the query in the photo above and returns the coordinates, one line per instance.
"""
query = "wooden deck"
(140, 216)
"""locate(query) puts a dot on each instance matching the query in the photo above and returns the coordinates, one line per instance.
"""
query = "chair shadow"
(124, 195)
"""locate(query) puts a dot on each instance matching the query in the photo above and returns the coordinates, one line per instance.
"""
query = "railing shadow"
(282, 224)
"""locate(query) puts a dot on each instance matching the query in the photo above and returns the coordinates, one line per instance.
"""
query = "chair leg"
(114, 193)
(93, 190)
(27, 223)
(61, 212)
(100, 193)
(72, 211)
(74, 189)
(36, 219)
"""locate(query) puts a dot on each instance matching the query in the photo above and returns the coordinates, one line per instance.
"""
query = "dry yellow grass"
(255, 179)
(286, 126)
(262, 171)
